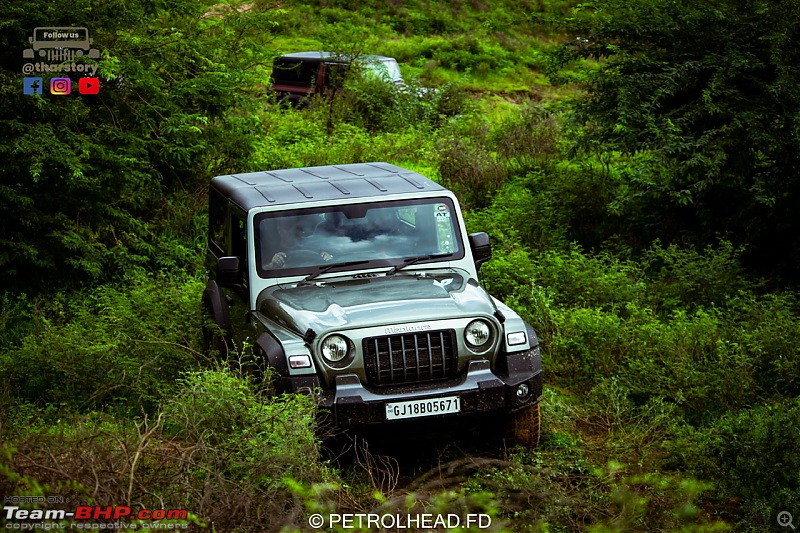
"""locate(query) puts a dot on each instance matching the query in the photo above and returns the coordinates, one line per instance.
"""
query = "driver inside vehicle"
(291, 244)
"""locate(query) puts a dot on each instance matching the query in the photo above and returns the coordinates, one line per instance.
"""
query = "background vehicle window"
(295, 72)
(387, 71)
(335, 74)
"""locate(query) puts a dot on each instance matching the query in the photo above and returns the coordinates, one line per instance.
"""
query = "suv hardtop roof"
(323, 183)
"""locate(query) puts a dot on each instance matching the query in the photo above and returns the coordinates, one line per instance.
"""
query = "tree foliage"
(709, 92)
(83, 176)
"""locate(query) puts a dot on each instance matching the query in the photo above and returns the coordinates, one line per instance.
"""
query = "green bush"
(685, 277)
(754, 455)
(693, 360)
(470, 171)
(265, 439)
(527, 141)
(219, 448)
(598, 281)
(84, 177)
(601, 317)
(768, 328)
(109, 347)
(518, 219)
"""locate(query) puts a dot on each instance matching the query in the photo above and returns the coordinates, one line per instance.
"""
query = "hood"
(375, 300)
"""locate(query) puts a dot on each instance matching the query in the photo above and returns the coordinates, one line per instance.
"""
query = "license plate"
(419, 408)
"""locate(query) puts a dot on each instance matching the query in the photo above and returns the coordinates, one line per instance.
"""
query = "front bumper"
(480, 391)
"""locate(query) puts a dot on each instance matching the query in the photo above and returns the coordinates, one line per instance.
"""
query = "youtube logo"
(89, 86)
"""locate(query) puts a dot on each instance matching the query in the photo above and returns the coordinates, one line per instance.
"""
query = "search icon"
(785, 519)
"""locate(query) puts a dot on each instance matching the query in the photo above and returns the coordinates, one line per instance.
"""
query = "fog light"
(516, 338)
(523, 391)
(299, 361)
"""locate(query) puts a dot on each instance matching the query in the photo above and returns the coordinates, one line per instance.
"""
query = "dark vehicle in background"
(358, 284)
(298, 76)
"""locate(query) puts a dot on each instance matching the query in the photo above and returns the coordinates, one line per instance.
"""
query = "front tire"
(524, 427)
(214, 337)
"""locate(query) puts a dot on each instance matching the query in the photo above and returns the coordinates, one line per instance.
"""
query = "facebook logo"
(32, 86)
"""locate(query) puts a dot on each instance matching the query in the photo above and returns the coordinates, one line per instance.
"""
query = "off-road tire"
(216, 343)
(524, 427)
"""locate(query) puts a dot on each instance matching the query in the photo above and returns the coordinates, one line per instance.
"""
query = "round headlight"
(477, 333)
(334, 348)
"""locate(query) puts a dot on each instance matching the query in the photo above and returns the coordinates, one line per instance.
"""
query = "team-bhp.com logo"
(97, 512)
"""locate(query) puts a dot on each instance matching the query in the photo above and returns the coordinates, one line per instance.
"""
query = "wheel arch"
(214, 299)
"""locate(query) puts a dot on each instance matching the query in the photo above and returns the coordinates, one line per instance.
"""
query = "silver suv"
(359, 284)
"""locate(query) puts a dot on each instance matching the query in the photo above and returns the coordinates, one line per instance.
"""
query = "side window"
(336, 74)
(294, 72)
(425, 221)
(239, 240)
(216, 220)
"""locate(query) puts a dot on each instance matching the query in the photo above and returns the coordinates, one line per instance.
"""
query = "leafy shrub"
(755, 456)
(574, 496)
(274, 437)
(108, 347)
(589, 345)
(378, 105)
(84, 179)
(601, 317)
(448, 100)
(219, 448)
(471, 54)
(683, 277)
(570, 199)
(590, 280)
(693, 360)
(470, 171)
(518, 219)
(16, 312)
(768, 329)
(527, 140)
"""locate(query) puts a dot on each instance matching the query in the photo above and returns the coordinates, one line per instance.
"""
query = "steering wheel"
(302, 257)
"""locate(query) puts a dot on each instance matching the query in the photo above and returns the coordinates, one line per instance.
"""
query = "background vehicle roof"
(328, 55)
(324, 183)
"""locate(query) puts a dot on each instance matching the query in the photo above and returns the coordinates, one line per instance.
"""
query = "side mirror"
(228, 272)
(481, 248)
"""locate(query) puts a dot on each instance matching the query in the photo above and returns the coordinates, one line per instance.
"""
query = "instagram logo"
(60, 86)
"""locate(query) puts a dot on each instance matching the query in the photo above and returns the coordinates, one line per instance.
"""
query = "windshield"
(386, 69)
(301, 242)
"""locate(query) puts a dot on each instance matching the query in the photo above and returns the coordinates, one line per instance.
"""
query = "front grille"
(410, 358)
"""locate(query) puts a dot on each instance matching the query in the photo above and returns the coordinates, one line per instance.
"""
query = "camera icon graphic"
(60, 86)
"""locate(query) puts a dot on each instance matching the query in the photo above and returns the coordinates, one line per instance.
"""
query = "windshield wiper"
(326, 268)
(413, 260)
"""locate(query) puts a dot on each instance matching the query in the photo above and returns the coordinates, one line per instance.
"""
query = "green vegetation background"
(635, 164)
